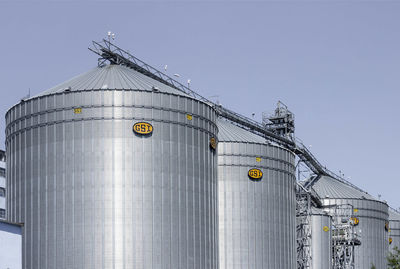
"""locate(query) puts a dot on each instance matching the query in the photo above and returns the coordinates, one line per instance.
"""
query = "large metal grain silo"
(257, 201)
(113, 169)
(371, 214)
(321, 239)
(394, 230)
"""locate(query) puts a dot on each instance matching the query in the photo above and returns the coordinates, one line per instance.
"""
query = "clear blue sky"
(335, 64)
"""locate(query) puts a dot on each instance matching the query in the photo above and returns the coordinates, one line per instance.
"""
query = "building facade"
(2, 184)
(10, 245)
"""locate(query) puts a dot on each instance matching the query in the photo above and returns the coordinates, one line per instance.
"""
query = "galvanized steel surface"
(372, 214)
(321, 240)
(256, 219)
(92, 194)
(112, 77)
(228, 132)
(327, 187)
(394, 226)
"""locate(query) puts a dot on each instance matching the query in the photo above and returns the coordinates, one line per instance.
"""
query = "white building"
(10, 245)
(2, 185)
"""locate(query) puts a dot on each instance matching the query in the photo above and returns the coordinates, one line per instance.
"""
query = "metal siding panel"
(98, 196)
(321, 245)
(256, 219)
(372, 216)
(394, 225)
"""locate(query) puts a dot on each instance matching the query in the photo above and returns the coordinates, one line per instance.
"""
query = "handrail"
(115, 55)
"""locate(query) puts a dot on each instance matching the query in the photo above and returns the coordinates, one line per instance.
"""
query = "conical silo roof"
(394, 215)
(114, 77)
(229, 132)
(329, 187)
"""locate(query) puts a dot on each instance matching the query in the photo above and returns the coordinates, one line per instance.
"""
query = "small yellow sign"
(325, 228)
(258, 159)
(255, 174)
(355, 221)
(355, 210)
(387, 226)
(213, 143)
(390, 240)
(78, 110)
(189, 117)
(143, 128)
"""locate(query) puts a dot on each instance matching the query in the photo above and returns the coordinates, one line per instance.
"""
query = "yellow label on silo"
(255, 174)
(78, 110)
(325, 228)
(355, 221)
(143, 128)
(189, 117)
(213, 143)
(258, 159)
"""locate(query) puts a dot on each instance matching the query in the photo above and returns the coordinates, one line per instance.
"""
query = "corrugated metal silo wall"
(374, 238)
(256, 219)
(92, 194)
(394, 234)
(321, 244)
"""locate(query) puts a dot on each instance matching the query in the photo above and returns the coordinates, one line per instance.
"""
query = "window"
(2, 172)
(2, 192)
(2, 213)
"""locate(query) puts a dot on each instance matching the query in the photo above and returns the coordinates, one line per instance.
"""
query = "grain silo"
(113, 169)
(256, 201)
(321, 239)
(394, 229)
(371, 219)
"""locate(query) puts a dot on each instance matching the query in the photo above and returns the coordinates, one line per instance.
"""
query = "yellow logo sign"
(355, 221)
(213, 142)
(325, 228)
(390, 240)
(255, 174)
(258, 159)
(355, 210)
(143, 128)
(387, 226)
(77, 110)
(189, 117)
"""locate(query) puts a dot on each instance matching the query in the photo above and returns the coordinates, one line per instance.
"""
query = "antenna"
(110, 36)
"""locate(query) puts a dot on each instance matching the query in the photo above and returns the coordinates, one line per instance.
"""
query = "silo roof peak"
(112, 77)
(331, 188)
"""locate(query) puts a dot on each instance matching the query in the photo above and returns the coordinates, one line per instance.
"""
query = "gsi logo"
(255, 174)
(143, 128)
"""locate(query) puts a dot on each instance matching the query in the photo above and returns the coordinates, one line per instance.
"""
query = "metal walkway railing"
(115, 55)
